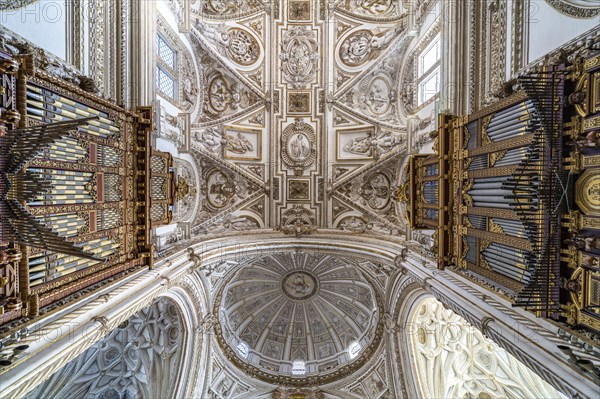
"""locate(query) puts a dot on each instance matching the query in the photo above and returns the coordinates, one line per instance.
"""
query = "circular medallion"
(378, 97)
(299, 285)
(220, 189)
(376, 190)
(219, 94)
(593, 192)
(243, 48)
(356, 48)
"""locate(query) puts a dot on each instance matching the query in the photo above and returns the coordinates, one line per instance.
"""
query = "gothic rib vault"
(299, 122)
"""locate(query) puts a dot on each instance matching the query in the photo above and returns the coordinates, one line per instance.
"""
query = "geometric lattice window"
(166, 68)
(165, 83)
(166, 52)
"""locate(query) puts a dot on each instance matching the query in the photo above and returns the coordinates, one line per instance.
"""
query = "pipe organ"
(511, 193)
(79, 187)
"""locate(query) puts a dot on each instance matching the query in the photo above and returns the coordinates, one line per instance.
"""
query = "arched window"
(353, 349)
(243, 349)
(299, 367)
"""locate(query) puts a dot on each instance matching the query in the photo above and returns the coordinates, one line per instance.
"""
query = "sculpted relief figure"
(217, 34)
(376, 6)
(383, 142)
(211, 138)
(299, 147)
(359, 145)
(353, 224)
(379, 97)
(239, 144)
(239, 45)
(372, 8)
(190, 92)
(229, 7)
(233, 223)
(297, 144)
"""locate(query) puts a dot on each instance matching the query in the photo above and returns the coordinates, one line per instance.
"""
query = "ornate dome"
(290, 316)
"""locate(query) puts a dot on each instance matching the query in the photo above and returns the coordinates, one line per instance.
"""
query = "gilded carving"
(299, 10)
(299, 102)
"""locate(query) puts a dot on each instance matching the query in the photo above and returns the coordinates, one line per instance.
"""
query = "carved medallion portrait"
(299, 285)
(220, 189)
(220, 94)
(298, 145)
(378, 97)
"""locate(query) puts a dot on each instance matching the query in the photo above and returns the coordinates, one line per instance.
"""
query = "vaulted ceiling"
(299, 315)
(299, 125)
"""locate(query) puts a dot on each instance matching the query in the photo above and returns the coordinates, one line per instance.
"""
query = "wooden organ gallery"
(512, 194)
(80, 189)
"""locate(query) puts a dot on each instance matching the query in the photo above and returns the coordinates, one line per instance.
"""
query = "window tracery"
(452, 359)
(139, 359)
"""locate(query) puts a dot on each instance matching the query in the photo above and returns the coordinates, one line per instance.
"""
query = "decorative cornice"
(573, 10)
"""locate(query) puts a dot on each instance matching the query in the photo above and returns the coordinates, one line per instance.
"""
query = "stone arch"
(142, 358)
(406, 291)
(190, 295)
(436, 338)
